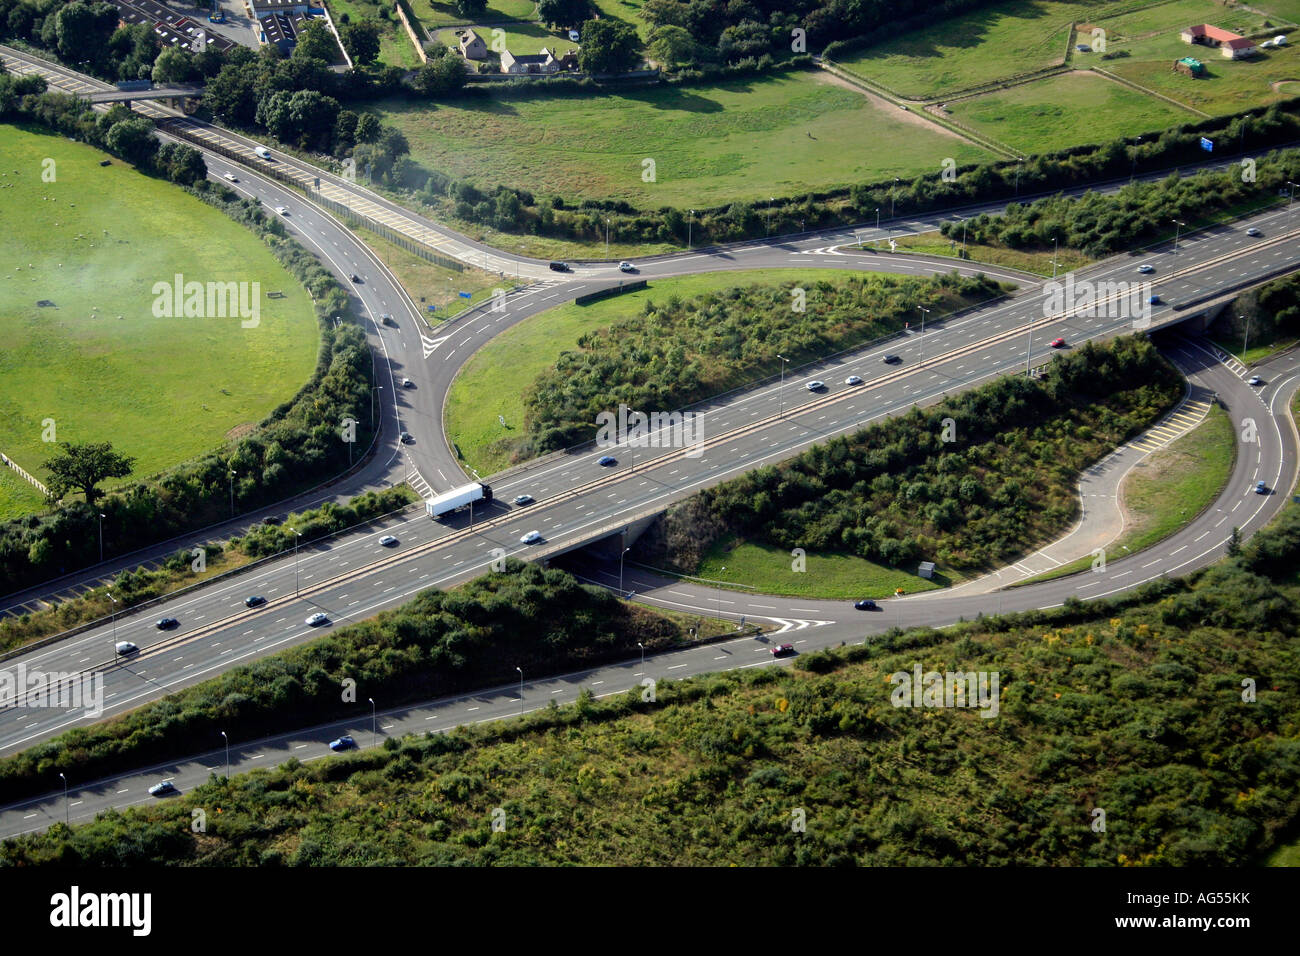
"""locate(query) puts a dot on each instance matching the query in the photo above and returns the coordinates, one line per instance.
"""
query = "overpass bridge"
(176, 96)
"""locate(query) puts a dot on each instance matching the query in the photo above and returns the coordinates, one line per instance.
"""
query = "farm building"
(1190, 65)
(1233, 46)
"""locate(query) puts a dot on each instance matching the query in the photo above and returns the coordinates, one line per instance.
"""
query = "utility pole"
(924, 312)
(1178, 225)
(784, 362)
(101, 537)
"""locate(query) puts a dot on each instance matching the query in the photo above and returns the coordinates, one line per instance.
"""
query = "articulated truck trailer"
(457, 498)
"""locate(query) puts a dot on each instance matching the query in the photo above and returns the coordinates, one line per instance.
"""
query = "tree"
(174, 65)
(133, 140)
(608, 46)
(362, 41)
(368, 128)
(564, 13)
(315, 42)
(470, 9)
(446, 74)
(670, 45)
(82, 31)
(83, 465)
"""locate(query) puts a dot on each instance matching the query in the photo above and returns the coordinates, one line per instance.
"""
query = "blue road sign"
(467, 295)
(433, 308)
(1207, 145)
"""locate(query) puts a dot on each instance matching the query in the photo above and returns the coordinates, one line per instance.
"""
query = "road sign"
(433, 308)
(1207, 145)
(467, 295)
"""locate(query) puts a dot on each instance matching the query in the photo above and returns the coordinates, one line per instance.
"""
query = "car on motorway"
(231, 177)
(1252, 231)
(1154, 300)
(1261, 488)
(1255, 380)
(406, 438)
(626, 267)
(388, 320)
(816, 385)
(164, 789)
(531, 537)
(272, 519)
(1146, 267)
(1058, 343)
(343, 743)
(166, 623)
(254, 600)
(355, 277)
(523, 499)
(606, 461)
(262, 151)
(317, 618)
(407, 383)
(853, 380)
(782, 650)
(560, 267)
(282, 210)
(866, 604)
(388, 541)
(892, 359)
(125, 648)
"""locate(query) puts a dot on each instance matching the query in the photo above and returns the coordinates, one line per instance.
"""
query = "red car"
(1058, 343)
(781, 650)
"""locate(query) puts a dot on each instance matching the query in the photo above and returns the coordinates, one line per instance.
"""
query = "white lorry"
(449, 501)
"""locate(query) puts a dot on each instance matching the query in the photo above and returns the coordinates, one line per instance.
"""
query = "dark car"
(164, 789)
(892, 359)
(254, 600)
(407, 438)
(782, 650)
(607, 460)
(272, 519)
(355, 277)
(866, 604)
(343, 743)
(167, 623)
(388, 320)
(560, 267)
(1261, 488)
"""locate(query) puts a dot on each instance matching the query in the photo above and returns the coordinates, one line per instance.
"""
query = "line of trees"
(293, 447)
(543, 620)
(971, 483)
(680, 351)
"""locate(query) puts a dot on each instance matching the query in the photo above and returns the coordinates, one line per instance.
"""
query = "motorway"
(353, 577)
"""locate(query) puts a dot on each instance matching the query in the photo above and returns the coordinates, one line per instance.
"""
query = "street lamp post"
(227, 740)
(1178, 226)
(963, 238)
(373, 389)
(607, 237)
(374, 732)
(101, 537)
(893, 194)
(717, 600)
(924, 312)
(521, 688)
(770, 200)
(1133, 170)
(1055, 242)
(642, 646)
(690, 224)
(232, 494)
(296, 536)
(1245, 341)
(114, 600)
(877, 219)
(784, 362)
(67, 810)
(1290, 202)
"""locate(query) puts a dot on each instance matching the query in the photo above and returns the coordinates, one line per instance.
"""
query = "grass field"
(433, 13)
(395, 47)
(739, 140)
(1168, 489)
(769, 570)
(1066, 110)
(518, 37)
(959, 53)
(935, 244)
(432, 284)
(521, 354)
(98, 361)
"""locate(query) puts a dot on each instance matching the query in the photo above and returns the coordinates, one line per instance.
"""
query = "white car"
(1255, 380)
(282, 211)
(531, 537)
(523, 499)
(815, 385)
(853, 380)
(124, 648)
(317, 618)
(1252, 231)
(388, 541)
(626, 267)
(1145, 268)
(407, 383)
(231, 177)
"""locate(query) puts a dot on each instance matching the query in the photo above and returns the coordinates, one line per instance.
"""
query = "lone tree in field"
(81, 466)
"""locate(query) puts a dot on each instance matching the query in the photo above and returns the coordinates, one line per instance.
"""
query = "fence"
(387, 232)
(18, 468)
